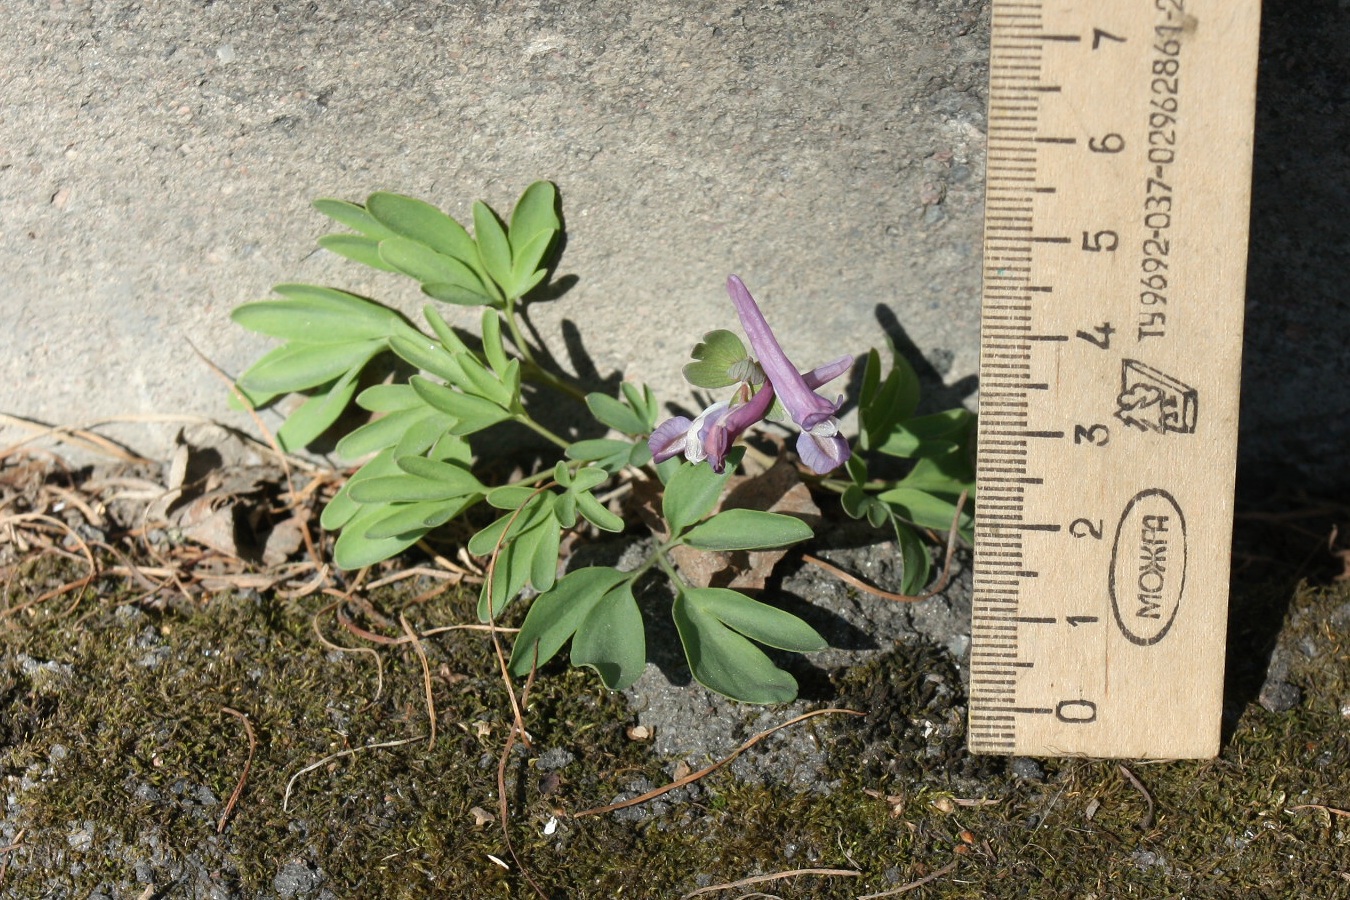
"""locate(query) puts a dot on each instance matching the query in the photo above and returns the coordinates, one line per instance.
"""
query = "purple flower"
(711, 435)
(820, 445)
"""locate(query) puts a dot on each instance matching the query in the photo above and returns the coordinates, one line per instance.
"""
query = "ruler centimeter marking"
(1117, 195)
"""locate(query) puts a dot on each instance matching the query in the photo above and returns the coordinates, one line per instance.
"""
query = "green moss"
(133, 700)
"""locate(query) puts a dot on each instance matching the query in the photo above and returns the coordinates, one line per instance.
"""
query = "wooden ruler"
(1120, 141)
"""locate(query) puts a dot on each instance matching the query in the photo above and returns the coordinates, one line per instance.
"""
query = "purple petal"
(822, 454)
(822, 375)
(718, 436)
(669, 438)
(806, 407)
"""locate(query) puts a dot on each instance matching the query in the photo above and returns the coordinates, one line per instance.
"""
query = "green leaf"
(405, 488)
(422, 222)
(514, 565)
(597, 515)
(460, 296)
(643, 402)
(444, 333)
(535, 215)
(471, 413)
(690, 494)
(423, 434)
(893, 401)
(555, 615)
(565, 510)
(639, 455)
(389, 398)
(419, 261)
(931, 436)
(385, 431)
(914, 558)
(758, 621)
(493, 348)
(317, 414)
(949, 473)
(493, 248)
(404, 519)
(429, 356)
(871, 378)
(609, 453)
(354, 216)
(317, 316)
(544, 562)
(611, 638)
(353, 550)
(439, 470)
(588, 478)
(615, 414)
(724, 661)
(342, 508)
(715, 356)
(510, 496)
(482, 383)
(747, 529)
(923, 508)
(357, 248)
(297, 367)
(526, 262)
(535, 511)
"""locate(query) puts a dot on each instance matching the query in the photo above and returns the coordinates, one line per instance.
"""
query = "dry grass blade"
(286, 797)
(379, 663)
(913, 885)
(937, 588)
(80, 542)
(1321, 807)
(708, 770)
(248, 764)
(776, 876)
(1147, 821)
(426, 678)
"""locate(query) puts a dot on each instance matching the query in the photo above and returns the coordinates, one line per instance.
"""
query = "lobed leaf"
(493, 248)
(724, 661)
(535, 214)
(757, 621)
(556, 614)
(611, 639)
(714, 358)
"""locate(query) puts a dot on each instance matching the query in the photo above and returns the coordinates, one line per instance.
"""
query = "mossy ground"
(119, 760)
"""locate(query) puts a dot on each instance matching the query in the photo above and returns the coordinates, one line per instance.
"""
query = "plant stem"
(524, 419)
(531, 367)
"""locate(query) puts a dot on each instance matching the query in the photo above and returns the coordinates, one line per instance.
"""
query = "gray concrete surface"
(157, 161)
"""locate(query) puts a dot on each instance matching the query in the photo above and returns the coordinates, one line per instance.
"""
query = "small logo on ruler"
(1155, 401)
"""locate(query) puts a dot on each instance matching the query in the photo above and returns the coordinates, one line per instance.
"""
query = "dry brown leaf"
(779, 490)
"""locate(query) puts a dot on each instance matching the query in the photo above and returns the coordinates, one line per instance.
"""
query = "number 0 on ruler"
(1118, 187)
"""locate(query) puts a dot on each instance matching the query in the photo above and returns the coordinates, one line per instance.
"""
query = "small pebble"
(1027, 769)
(1279, 696)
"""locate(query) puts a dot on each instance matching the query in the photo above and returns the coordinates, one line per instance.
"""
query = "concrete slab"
(157, 160)
(160, 157)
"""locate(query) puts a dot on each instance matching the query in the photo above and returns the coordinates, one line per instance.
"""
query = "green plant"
(421, 469)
